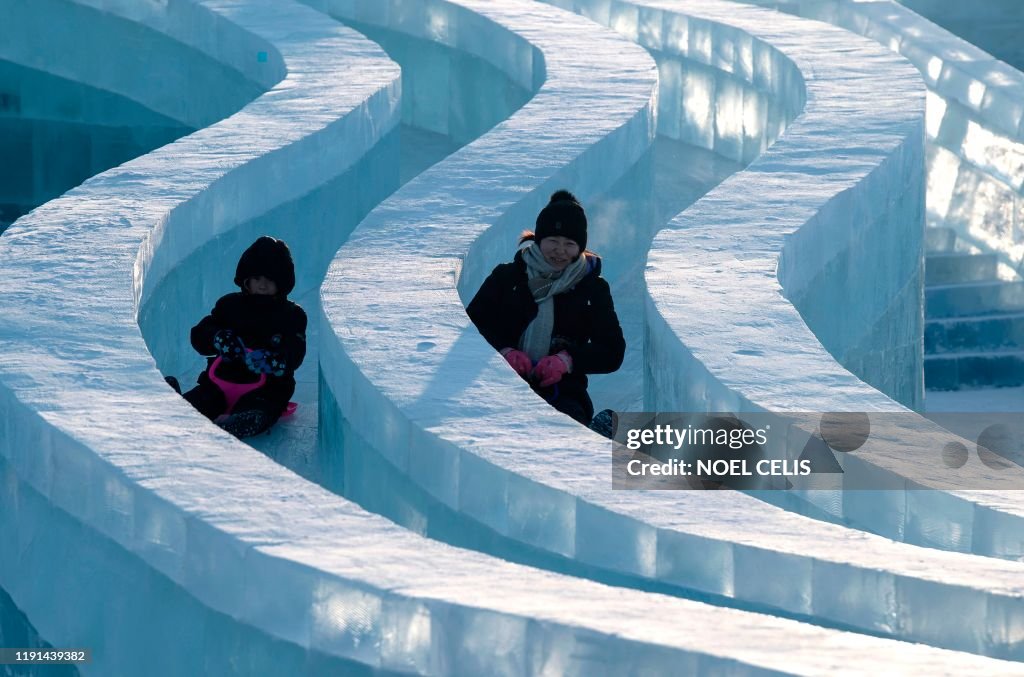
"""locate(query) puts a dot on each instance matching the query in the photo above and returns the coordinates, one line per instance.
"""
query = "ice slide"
(153, 524)
(452, 453)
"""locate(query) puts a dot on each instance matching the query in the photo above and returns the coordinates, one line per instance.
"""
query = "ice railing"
(413, 393)
(975, 121)
(198, 555)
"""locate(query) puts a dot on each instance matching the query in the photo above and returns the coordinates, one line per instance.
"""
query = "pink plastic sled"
(235, 391)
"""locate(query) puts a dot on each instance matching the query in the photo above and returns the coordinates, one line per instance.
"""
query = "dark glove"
(265, 362)
(228, 345)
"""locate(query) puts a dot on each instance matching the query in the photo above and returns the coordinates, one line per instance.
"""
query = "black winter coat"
(586, 326)
(256, 320)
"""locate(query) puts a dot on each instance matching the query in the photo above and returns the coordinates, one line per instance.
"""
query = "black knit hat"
(270, 258)
(563, 216)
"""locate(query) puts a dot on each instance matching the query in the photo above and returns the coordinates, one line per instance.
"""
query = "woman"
(550, 313)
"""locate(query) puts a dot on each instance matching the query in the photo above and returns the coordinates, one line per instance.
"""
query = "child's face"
(261, 286)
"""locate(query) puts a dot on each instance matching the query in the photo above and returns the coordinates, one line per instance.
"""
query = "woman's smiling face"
(559, 251)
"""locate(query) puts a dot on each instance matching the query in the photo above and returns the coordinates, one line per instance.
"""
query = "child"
(254, 331)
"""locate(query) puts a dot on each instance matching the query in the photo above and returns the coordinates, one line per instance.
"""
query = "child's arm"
(293, 340)
(203, 333)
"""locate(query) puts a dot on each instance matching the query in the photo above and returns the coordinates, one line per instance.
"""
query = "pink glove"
(552, 368)
(518, 360)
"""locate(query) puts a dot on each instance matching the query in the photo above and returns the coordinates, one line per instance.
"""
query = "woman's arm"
(486, 307)
(607, 347)
(293, 341)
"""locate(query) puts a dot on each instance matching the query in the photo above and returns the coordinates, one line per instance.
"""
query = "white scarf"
(545, 282)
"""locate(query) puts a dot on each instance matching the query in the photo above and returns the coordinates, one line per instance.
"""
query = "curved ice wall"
(429, 395)
(837, 218)
(975, 120)
(71, 107)
(828, 222)
(172, 67)
(451, 439)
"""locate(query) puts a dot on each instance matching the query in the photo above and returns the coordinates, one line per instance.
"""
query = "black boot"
(246, 423)
(173, 382)
(604, 423)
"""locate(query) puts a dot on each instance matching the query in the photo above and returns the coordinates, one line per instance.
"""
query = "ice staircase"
(974, 328)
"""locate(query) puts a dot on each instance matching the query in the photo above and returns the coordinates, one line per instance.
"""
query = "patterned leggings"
(252, 415)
